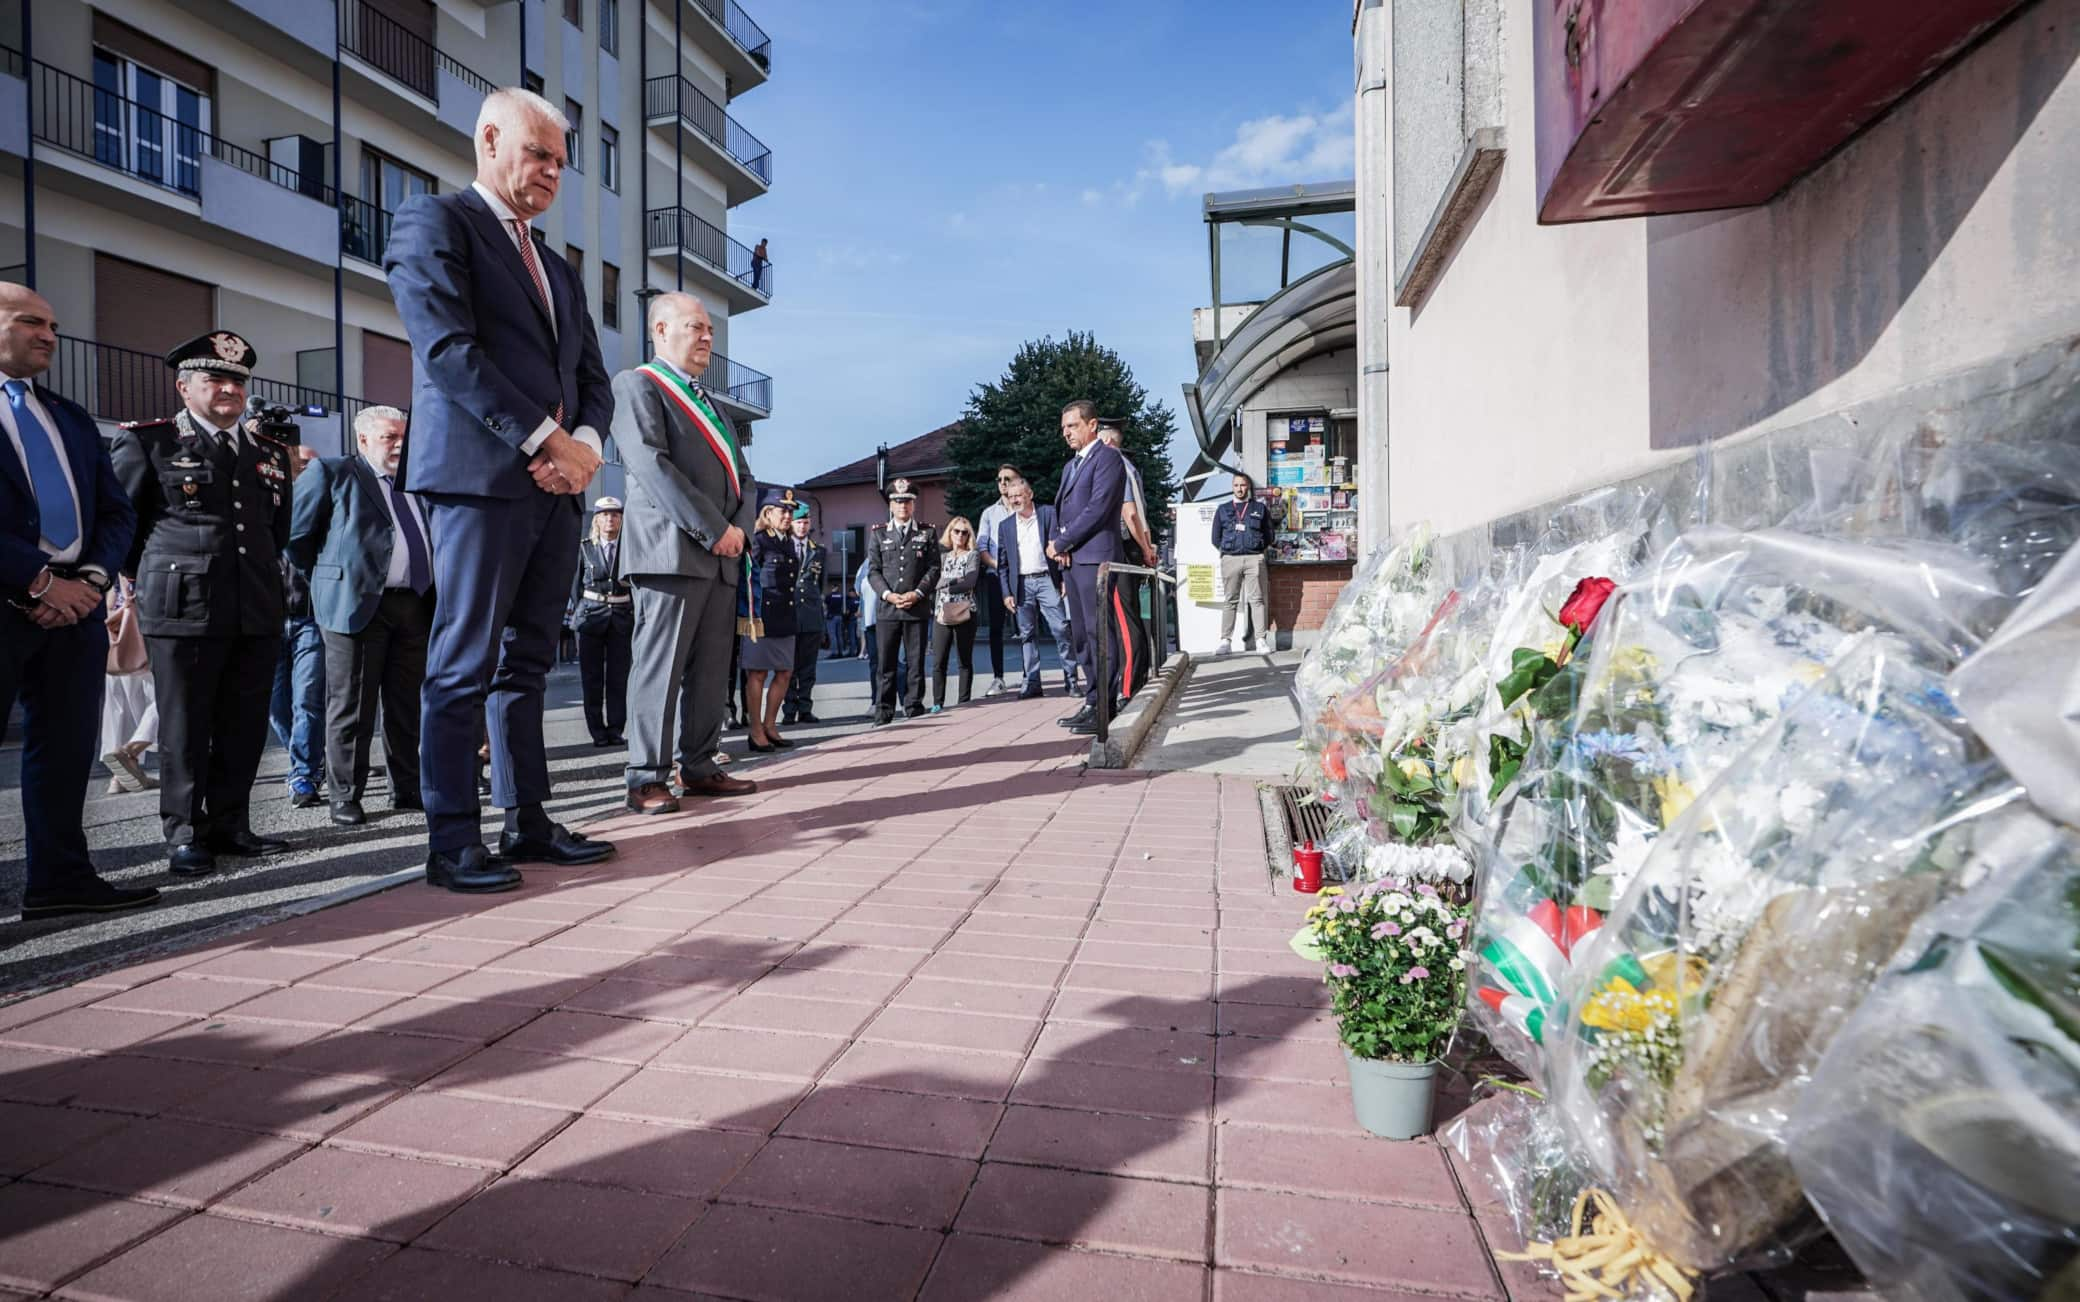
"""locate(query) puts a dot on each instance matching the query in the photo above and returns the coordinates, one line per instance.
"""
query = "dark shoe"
(804, 716)
(562, 847)
(1078, 719)
(1088, 728)
(1030, 691)
(913, 711)
(719, 784)
(412, 803)
(787, 716)
(348, 813)
(470, 871)
(882, 718)
(245, 841)
(782, 743)
(90, 895)
(302, 795)
(615, 738)
(190, 861)
(1119, 706)
(760, 747)
(651, 798)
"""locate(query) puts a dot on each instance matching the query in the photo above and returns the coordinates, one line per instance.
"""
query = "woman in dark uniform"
(603, 615)
(768, 659)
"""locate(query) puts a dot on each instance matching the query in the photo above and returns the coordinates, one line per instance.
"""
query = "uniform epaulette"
(146, 424)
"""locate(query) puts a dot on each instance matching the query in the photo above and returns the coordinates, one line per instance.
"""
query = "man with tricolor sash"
(691, 503)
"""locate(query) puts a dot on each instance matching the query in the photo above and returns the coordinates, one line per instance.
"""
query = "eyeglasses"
(960, 533)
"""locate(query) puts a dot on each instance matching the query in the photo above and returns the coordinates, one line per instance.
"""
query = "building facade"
(847, 501)
(173, 166)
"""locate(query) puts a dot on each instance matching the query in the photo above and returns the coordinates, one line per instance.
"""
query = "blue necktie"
(46, 472)
(418, 572)
(1068, 477)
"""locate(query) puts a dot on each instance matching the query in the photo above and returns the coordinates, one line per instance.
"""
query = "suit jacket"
(489, 368)
(107, 517)
(678, 500)
(775, 570)
(1087, 511)
(1013, 582)
(341, 535)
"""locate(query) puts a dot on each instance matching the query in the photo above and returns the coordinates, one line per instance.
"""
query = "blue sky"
(953, 177)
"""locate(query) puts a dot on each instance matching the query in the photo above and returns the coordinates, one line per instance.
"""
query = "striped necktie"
(541, 283)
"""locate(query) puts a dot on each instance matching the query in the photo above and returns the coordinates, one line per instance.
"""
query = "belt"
(1031, 574)
(608, 599)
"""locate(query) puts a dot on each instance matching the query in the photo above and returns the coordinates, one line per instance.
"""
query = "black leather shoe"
(190, 861)
(1078, 719)
(412, 803)
(470, 871)
(245, 841)
(615, 738)
(759, 747)
(883, 718)
(90, 895)
(1088, 728)
(913, 711)
(349, 813)
(803, 716)
(562, 847)
(782, 743)
(788, 716)
(1030, 691)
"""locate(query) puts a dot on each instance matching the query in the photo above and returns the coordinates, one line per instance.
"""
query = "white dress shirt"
(62, 555)
(506, 217)
(400, 574)
(1032, 550)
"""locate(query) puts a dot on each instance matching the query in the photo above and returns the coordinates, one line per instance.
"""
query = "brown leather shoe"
(718, 784)
(652, 798)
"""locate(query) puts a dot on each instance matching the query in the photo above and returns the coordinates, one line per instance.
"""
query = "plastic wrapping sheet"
(1515, 1145)
(1940, 1134)
(2022, 692)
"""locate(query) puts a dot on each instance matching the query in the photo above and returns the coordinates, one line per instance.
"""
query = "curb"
(1131, 728)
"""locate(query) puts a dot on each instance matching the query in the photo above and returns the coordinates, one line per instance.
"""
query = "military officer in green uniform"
(811, 560)
(213, 502)
(902, 568)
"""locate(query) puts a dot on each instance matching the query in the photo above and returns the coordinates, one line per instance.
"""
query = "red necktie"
(541, 285)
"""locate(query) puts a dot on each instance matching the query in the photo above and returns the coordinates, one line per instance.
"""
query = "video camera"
(272, 421)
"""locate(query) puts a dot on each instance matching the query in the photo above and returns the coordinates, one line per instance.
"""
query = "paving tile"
(227, 1260)
(993, 970)
(450, 1128)
(852, 1114)
(1242, 1286)
(370, 1055)
(847, 958)
(591, 1035)
(310, 1005)
(477, 1021)
(527, 989)
(874, 935)
(554, 960)
(1412, 1171)
(1183, 958)
(752, 1011)
(1145, 1217)
(1395, 1247)
(366, 1195)
(1095, 1087)
(648, 1001)
(266, 966)
(283, 1103)
(1162, 1148)
(874, 1184)
(1127, 1046)
(950, 1030)
(972, 1268)
(955, 1073)
(969, 997)
(445, 951)
(751, 1053)
(1286, 1105)
(48, 1234)
(771, 1255)
(32, 1136)
(1146, 982)
(416, 1274)
(240, 1044)
(117, 1083)
(1317, 1062)
(93, 1030)
(1256, 988)
(180, 997)
(534, 1079)
(1113, 1009)
(683, 970)
(687, 1163)
(23, 1011)
(586, 1229)
(388, 978)
(692, 1098)
(1050, 949)
(815, 983)
(1275, 1021)
(162, 1161)
(1020, 924)
(616, 940)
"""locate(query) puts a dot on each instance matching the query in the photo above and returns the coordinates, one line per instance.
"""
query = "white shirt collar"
(497, 205)
(1087, 449)
(661, 360)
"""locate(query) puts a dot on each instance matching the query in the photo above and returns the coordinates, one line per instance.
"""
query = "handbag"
(126, 653)
(956, 610)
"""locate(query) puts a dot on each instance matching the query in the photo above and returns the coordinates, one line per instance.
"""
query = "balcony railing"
(732, 19)
(676, 228)
(382, 42)
(364, 229)
(126, 384)
(668, 95)
(735, 380)
(139, 140)
(11, 61)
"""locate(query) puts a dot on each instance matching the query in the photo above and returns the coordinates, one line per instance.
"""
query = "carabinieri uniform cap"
(220, 351)
(899, 491)
(607, 504)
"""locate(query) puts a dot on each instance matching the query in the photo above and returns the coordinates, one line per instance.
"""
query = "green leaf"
(1505, 758)
(1528, 670)
(1555, 698)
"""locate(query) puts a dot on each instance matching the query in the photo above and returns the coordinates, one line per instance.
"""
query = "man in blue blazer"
(505, 439)
(1031, 580)
(1086, 535)
(65, 529)
(363, 541)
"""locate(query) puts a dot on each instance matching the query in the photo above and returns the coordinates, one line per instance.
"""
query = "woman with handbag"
(953, 608)
(129, 713)
(766, 649)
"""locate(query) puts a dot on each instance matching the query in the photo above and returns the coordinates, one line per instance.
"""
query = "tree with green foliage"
(1018, 419)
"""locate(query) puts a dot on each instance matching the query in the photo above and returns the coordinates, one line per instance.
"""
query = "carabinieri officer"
(213, 503)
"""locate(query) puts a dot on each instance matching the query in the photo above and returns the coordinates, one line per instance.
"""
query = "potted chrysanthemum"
(1397, 974)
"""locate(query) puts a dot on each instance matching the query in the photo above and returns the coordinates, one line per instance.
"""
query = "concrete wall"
(267, 214)
(1549, 359)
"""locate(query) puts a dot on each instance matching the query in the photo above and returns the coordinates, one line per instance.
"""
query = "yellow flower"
(1621, 1007)
(1332, 890)
(1462, 770)
(1676, 796)
(1414, 768)
(1661, 972)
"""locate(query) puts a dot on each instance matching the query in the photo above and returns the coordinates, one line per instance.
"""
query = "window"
(574, 13)
(575, 112)
(609, 157)
(576, 257)
(610, 296)
(610, 26)
(148, 124)
(387, 183)
(531, 81)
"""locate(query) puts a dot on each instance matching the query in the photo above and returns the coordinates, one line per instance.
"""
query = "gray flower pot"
(1392, 1099)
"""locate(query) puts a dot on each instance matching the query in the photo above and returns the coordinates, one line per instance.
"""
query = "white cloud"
(1273, 150)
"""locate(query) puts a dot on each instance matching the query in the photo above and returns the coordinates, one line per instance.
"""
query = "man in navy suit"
(65, 529)
(363, 541)
(505, 440)
(1086, 535)
(1031, 580)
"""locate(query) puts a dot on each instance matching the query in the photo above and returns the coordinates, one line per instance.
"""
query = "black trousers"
(808, 643)
(382, 665)
(1133, 640)
(893, 637)
(956, 637)
(58, 676)
(992, 597)
(603, 664)
(213, 695)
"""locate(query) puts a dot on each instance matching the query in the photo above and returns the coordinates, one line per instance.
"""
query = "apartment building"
(173, 166)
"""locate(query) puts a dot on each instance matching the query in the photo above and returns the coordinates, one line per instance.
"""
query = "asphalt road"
(124, 833)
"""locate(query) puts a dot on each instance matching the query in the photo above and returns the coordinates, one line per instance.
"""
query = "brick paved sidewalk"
(935, 1014)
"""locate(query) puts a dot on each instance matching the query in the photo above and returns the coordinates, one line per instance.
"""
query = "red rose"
(1581, 607)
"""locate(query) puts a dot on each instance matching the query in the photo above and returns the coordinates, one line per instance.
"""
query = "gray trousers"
(679, 674)
(1242, 580)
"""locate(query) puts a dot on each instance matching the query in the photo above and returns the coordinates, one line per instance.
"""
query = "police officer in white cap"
(211, 489)
(603, 615)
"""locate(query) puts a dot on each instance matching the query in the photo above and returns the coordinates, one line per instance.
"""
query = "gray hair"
(365, 420)
(507, 102)
(673, 303)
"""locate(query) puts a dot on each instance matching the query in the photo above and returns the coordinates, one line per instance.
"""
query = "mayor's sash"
(682, 394)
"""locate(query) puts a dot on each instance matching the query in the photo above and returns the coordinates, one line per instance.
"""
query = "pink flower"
(1382, 930)
(1419, 974)
(1456, 930)
(1342, 970)
(1426, 889)
(1345, 904)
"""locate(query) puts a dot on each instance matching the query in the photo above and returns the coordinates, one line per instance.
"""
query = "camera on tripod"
(272, 421)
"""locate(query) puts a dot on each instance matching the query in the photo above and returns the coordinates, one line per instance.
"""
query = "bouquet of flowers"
(1396, 967)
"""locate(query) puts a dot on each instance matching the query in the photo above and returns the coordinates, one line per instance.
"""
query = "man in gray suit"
(691, 504)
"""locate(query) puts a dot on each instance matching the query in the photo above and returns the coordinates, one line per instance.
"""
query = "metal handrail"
(748, 35)
(364, 229)
(669, 227)
(751, 387)
(666, 96)
(388, 45)
(1159, 638)
(123, 384)
(11, 61)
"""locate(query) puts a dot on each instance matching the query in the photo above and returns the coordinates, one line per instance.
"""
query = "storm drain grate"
(1290, 819)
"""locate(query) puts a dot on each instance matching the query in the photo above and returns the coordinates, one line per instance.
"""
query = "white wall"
(1553, 358)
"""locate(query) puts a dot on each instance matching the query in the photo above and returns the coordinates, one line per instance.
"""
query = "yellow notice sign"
(1198, 585)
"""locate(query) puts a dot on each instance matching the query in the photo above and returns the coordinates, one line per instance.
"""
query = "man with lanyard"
(1136, 547)
(1242, 534)
(996, 584)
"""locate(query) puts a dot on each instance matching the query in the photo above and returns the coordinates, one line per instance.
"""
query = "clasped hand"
(65, 602)
(563, 465)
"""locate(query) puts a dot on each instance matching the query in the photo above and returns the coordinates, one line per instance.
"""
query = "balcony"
(726, 32)
(405, 60)
(119, 384)
(726, 265)
(743, 163)
(262, 204)
(744, 393)
(364, 229)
